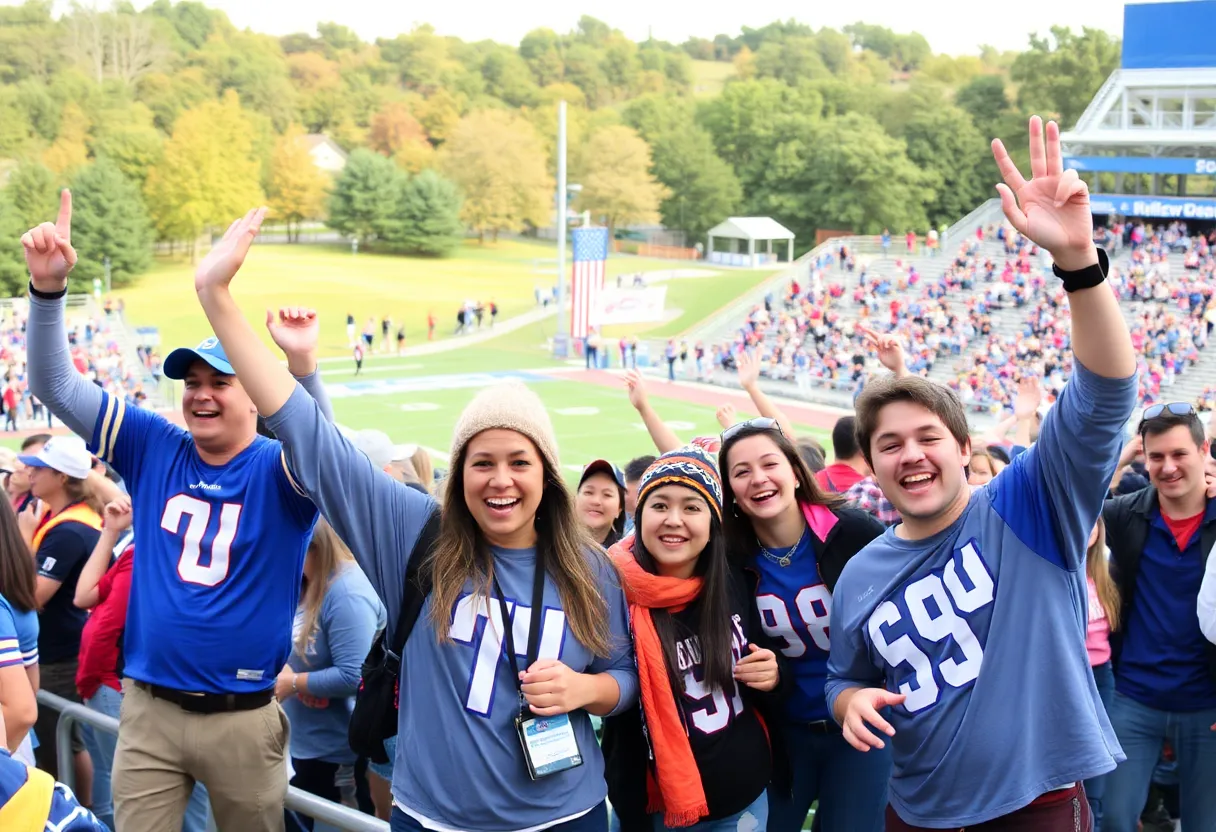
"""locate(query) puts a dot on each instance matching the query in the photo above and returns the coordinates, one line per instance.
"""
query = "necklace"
(784, 560)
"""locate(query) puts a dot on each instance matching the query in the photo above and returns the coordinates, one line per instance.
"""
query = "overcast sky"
(953, 26)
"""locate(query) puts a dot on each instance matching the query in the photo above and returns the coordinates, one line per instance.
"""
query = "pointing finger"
(63, 223)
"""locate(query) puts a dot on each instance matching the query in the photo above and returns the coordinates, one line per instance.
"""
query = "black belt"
(823, 726)
(210, 703)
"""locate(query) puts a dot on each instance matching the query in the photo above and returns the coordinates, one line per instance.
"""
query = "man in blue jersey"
(223, 529)
(959, 635)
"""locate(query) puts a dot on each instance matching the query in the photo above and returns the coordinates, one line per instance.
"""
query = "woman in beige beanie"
(524, 634)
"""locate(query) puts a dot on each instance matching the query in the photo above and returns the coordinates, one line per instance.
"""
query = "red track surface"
(818, 417)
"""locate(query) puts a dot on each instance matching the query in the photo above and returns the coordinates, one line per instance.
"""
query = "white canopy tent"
(749, 230)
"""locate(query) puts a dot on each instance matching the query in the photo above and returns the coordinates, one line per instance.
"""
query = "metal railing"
(337, 816)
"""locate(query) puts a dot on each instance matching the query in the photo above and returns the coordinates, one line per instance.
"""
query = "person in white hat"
(62, 528)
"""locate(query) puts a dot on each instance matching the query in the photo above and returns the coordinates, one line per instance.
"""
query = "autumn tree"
(69, 150)
(208, 174)
(498, 161)
(296, 189)
(109, 221)
(615, 172)
(393, 128)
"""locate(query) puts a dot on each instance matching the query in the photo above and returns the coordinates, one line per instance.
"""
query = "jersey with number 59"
(982, 627)
(221, 554)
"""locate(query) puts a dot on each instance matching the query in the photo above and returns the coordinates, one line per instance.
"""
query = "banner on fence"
(629, 306)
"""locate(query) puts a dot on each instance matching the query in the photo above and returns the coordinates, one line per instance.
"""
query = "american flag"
(590, 255)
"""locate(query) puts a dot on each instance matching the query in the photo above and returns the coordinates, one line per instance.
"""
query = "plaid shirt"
(867, 496)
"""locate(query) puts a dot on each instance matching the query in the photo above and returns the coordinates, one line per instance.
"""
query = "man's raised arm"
(53, 380)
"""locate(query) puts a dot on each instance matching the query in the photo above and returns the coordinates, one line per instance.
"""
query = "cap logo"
(208, 343)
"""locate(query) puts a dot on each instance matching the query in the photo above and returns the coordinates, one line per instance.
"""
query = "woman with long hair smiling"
(524, 631)
(705, 666)
(795, 539)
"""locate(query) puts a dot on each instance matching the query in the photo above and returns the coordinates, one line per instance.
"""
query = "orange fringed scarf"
(678, 792)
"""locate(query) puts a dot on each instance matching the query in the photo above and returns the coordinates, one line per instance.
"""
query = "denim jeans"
(1141, 731)
(101, 745)
(594, 821)
(752, 819)
(1095, 787)
(850, 785)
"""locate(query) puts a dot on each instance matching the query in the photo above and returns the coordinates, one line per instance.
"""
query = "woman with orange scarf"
(694, 754)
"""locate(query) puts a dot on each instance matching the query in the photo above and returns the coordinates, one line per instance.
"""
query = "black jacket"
(626, 748)
(1127, 525)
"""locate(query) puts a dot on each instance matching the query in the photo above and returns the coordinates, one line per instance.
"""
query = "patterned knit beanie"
(690, 467)
(512, 406)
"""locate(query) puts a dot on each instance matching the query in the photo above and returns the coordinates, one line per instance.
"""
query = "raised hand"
(726, 415)
(863, 713)
(890, 351)
(221, 264)
(1028, 398)
(1052, 209)
(118, 514)
(637, 389)
(749, 369)
(296, 330)
(48, 249)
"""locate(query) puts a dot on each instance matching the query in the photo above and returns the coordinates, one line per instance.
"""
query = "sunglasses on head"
(1159, 410)
(760, 423)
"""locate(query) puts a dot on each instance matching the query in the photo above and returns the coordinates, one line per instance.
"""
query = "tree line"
(174, 119)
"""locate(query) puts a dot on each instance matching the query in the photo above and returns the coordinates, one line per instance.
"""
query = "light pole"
(561, 341)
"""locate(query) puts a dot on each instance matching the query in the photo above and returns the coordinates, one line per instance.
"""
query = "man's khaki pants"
(240, 756)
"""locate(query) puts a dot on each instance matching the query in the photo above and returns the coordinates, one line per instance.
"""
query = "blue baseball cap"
(602, 466)
(209, 350)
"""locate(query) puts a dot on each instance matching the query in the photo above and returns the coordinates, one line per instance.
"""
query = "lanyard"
(538, 600)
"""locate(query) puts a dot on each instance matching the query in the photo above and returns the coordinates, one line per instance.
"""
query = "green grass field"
(335, 282)
(591, 421)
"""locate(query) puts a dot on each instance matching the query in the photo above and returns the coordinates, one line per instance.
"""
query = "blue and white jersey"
(795, 611)
(221, 554)
(18, 635)
(982, 627)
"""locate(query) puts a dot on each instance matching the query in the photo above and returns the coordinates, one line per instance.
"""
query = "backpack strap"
(417, 587)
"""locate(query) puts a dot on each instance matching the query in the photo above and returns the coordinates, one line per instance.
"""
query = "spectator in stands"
(31, 800)
(698, 636)
(61, 537)
(19, 481)
(201, 705)
(633, 478)
(982, 467)
(338, 617)
(812, 454)
(424, 468)
(796, 538)
(1165, 670)
(507, 529)
(1002, 563)
(599, 502)
(19, 676)
(1103, 620)
(848, 465)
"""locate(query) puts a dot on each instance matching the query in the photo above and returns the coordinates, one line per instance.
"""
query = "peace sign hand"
(1054, 207)
(48, 249)
(890, 350)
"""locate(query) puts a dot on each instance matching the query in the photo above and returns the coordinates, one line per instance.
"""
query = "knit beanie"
(691, 467)
(512, 406)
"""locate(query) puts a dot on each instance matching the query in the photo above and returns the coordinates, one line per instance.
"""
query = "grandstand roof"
(751, 228)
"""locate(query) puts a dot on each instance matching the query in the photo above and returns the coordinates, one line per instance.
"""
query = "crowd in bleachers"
(96, 352)
(810, 331)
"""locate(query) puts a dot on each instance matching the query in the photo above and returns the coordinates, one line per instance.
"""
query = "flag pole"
(561, 345)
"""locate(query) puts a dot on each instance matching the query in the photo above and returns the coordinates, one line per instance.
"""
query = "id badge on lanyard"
(548, 742)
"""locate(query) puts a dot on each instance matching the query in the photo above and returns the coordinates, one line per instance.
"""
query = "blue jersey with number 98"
(220, 554)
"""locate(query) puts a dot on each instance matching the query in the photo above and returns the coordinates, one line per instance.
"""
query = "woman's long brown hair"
(329, 555)
(1098, 569)
(18, 575)
(462, 554)
(740, 533)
